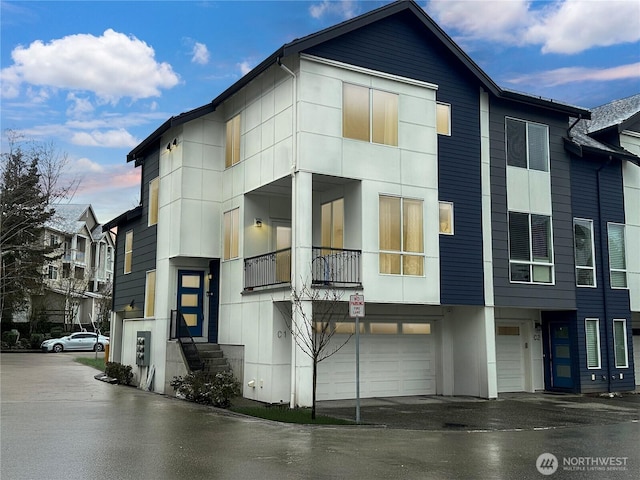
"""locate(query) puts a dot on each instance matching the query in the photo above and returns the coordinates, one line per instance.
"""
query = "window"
(332, 219)
(617, 260)
(369, 115)
(231, 228)
(54, 240)
(446, 218)
(150, 294)
(52, 273)
(527, 145)
(153, 201)
(620, 343)
(443, 118)
(530, 248)
(128, 251)
(232, 151)
(592, 334)
(584, 252)
(401, 236)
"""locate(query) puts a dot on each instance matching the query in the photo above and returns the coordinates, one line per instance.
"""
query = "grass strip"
(97, 363)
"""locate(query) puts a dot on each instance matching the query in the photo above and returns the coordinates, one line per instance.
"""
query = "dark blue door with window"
(560, 349)
(191, 299)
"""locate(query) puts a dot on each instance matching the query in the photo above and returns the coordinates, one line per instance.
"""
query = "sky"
(95, 78)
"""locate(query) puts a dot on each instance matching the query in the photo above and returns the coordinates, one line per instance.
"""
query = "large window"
(527, 145)
(52, 273)
(369, 115)
(128, 251)
(443, 118)
(332, 229)
(150, 294)
(153, 201)
(617, 255)
(401, 236)
(231, 230)
(584, 252)
(620, 343)
(530, 248)
(592, 335)
(232, 151)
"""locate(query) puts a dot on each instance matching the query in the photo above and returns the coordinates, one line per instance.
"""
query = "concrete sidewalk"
(513, 411)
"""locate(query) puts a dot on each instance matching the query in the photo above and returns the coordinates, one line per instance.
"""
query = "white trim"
(597, 340)
(146, 293)
(630, 133)
(626, 262)
(593, 253)
(367, 71)
(487, 240)
(626, 346)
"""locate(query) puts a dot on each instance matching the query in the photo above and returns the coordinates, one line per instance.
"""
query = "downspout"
(604, 270)
(294, 171)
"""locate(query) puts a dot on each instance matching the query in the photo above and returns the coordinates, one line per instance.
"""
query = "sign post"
(356, 310)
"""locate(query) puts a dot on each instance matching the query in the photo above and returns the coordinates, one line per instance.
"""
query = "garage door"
(636, 357)
(509, 358)
(395, 360)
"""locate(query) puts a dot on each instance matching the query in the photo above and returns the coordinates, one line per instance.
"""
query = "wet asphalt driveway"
(58, 422)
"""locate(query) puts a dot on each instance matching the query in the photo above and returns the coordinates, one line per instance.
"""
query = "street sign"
(356, 306)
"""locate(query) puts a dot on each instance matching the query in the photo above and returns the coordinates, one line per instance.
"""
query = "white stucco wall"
(631, 182)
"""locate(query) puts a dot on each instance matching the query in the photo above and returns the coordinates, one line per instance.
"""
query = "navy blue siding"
(132, 285)
(602, 302)
(400, 45)
(560, 296)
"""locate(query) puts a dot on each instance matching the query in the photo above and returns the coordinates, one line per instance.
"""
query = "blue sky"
(96, 78)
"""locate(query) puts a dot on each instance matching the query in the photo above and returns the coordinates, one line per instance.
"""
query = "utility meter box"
(143, 347)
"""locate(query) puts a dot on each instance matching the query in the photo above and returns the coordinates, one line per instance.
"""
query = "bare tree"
(313, 331)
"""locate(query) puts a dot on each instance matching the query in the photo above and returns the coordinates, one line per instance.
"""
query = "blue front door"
(191, 299)
(561, 368)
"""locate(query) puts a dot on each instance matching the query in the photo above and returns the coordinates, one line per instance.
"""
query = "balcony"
(329, 267)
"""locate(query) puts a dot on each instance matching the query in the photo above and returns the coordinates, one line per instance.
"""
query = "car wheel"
(99, 347)
(57, 348)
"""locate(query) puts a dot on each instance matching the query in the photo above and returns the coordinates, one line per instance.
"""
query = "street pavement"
(58, 422)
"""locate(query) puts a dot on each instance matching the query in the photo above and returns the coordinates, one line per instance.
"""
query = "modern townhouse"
(79, 271)
(374, 157)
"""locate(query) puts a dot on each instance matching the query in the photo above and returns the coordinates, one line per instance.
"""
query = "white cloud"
(86, 165)
(109, 138)
(245, 67)
(111, 66)
(344, 9)
(200, 54)
(562, 76)
(79, 106)
(561, 26)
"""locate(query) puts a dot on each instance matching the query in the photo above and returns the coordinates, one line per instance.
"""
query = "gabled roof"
(617, 114)
(299, 45)
(125, 217)
(66, 218)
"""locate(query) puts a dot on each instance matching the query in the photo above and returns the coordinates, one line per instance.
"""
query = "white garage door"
(390, 365)
(636, 357)
(509, 358)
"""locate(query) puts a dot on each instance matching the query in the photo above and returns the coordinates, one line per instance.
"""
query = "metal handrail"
(188, 344)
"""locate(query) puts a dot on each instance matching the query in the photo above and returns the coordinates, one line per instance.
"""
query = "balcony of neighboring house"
(267, 227)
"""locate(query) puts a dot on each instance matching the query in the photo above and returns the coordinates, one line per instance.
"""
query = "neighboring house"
(79, 271)
(377, 157)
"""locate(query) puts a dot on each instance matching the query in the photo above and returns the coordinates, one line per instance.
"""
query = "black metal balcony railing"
(329, 266)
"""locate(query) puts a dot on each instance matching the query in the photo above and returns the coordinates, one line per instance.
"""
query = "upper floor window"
(54, 240)
(592, 337)
(153, 201)
(443, 118)
(81, 249)
(150, 294)
(584, 252)
(232, 151)
(369, 115)
(231, 231)
(530, 248)
(446, 218)
(620, 343)
(401, 236)
(109, 257)
(332, 220)
(52, 273)
(128, 251)
(527, 145)
(617, 255)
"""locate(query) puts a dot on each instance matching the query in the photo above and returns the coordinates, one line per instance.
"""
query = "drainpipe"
(294, 170)
(603, 268)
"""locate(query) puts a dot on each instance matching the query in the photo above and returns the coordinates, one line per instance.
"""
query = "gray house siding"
(131, 287)
(400, 45)
(561, 295)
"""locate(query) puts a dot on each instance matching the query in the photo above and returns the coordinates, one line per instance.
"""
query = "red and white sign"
(356, 306)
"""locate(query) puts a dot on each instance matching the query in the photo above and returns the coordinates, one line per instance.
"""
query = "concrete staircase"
(213, 358)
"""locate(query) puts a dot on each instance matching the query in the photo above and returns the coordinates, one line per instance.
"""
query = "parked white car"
(76, 341)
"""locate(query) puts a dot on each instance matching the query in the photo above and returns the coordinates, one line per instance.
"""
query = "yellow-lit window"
(128, 251)
(443, 118)
(232, 152)
(231, 229)
(446, 218)
(150, 294)
(401, 236)
(369, 115)
(332, 219)
(153, 201)
(383, 328)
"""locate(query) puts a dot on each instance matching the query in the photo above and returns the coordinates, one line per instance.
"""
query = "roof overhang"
(125, 217)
